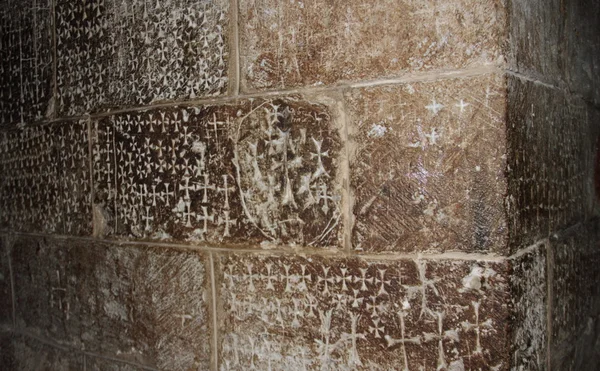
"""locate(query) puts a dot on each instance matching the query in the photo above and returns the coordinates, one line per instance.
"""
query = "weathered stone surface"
(26, 55)
(6, 315)
(251, 172)
(298, 313)
(23, 354)
(141, 304)
(45, 184)
(285, 44)
(576, 295)
(123, 53)
(427, 165)
(529, 291)
(559, 42)
(99, 364)
(551, 154)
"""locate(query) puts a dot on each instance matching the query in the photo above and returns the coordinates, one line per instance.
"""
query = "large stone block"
(529, 321)
(295, 43)
(551, 154)
(139, 304)
(314, 313)
(6, 306)
(259, 171)
(25, 354)
(45, 184)
(26, 70)
(427, 165)
(123, 53)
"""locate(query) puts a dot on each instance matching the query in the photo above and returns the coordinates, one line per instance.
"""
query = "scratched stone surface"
(144, 305)
(315, 313)
(529, 320)
(261, 171)
(550, 162)
(20, 353)
(130, 53)
(45, 184)
(26, 55)
(5, 282)
(576, 296)
(294, 43)
(99, 364)
(427, 166)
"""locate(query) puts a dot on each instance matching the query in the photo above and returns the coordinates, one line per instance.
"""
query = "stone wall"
(289, 185)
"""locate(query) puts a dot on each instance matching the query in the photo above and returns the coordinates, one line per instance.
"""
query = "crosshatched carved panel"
(122, 53)
(257, 171)
(427, 166)
(315, 313)
(45, 183)
(26, 55)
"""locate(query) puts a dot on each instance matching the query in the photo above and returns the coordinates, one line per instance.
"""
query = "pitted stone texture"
(26, 55)
(576, 296)
(316, 313)
(427, 166)
(286, 44)
(21, 353)
(98, 364)
(45, 184)
(139, 304)
(123, 53)
(550, 161)
(253, 172)
(6, 315)
(529, 291)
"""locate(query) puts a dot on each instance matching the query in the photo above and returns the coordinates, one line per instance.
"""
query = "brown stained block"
(21, 353)
(45, 184)
(26, 55)
(131, 53)
(296, 43)
(550, 161)
(317, 313)
(529, 291)
(251, 172)
(6, 309)
(139, 304)
(427, 166)
(575, 294)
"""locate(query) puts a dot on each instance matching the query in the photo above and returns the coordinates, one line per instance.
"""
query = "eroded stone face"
(20, 353)
(45, 184)
(134, 52)
(550, 161)
(427, 166)
(314, 313)
(257, 171)
(26, 55)
(529, 290)
(98, 364)
(296, 43)
(139, 304)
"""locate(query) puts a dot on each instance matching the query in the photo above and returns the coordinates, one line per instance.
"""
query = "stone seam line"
(235, 47)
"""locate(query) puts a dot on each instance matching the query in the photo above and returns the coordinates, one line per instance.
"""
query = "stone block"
(6, 308)
(299, 43)
(550, 161)
(139, 304)
(427, 164)
(26, 53)
(21, 353)
(257, 171)
(100, 364)
(131, 53)
(529, 291)
(317, 313)
(45, 184)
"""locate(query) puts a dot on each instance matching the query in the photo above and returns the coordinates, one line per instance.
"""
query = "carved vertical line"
(235, 47)
(54, 110)
(116, 181)
(88, 123)
(214, 359)
(549, 296)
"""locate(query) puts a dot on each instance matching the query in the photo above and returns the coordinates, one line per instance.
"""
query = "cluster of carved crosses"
(219, 173)
(132, 53)
(45, 183)
(348, 311)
